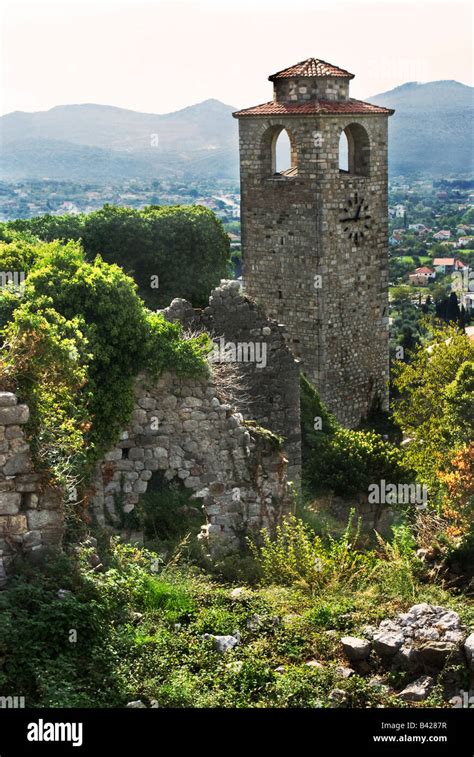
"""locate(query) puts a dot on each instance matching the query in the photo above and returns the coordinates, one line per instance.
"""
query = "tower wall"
(292, 233)
(301, 88)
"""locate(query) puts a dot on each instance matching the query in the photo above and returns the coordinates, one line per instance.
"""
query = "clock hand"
(349, 218)
(358, 212)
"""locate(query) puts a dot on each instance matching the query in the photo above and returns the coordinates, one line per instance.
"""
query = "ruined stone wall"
(270, 383)
(192, 430)
(182, 428)
(298, 262)
(197, 431)
(30, 511)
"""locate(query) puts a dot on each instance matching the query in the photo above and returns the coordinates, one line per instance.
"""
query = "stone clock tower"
(314, 236)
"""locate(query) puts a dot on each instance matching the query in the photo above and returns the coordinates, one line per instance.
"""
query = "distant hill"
(429, 133)
(95, 142)
(431, 130)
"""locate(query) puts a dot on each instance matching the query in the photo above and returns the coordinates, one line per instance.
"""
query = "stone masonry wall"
(182, 428)
(301, 88)
(271, 392)
(300, 265)
(186, 428)
(30, 511)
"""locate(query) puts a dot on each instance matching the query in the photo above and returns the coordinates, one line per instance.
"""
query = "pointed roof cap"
(312, 67)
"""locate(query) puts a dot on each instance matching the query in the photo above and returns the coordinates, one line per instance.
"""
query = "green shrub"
(349, 461)
(312, 408)
(295, 555)
(74, 342)
(186, 247)
(341, 460)
(397, 572)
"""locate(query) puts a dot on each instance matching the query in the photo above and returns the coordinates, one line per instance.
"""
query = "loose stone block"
(7, 399)
(9, 503)
(14, 415)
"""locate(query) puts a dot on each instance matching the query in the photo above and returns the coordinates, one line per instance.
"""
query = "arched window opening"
(343, 152)
(354, 151)
(284, 158)
(282, 152)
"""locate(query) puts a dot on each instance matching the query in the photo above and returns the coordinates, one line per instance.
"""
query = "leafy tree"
(428, 305)
(453, 312)
(431, 406)
(468, 217)
(459, 405)
(401, 295)
(48, 227)
(171, 251)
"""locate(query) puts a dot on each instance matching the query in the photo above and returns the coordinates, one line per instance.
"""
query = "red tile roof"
(312, 67)
(423, 269)
(313, 107)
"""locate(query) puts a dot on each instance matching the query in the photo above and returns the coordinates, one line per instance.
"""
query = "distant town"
(431, 222)
(26, 199)
(431, 241)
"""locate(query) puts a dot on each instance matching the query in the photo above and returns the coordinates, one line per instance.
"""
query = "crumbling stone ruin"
(267, 369)
(220, 450)
(236, 456)
(315, 278)
(182, 428)
(421, 642)
(30, 511)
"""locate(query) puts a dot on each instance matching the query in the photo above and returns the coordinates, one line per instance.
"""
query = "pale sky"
(160, 56)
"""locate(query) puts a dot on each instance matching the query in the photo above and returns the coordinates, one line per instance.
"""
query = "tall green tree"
(170, 251)
(435, 391)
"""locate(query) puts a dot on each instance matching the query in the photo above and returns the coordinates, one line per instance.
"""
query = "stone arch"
(357, 142)
(270, 140)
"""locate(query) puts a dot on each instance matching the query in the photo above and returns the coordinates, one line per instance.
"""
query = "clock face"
(356, 219)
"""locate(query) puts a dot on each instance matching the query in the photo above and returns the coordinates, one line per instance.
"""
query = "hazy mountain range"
(430, 133)
(431, 130)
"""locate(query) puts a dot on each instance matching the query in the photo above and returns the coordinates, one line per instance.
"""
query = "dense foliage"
(75, 636)
(108, 623)
(436, 411)
(435, 406)
(73, 341)
(342, 460)
(171, 251)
